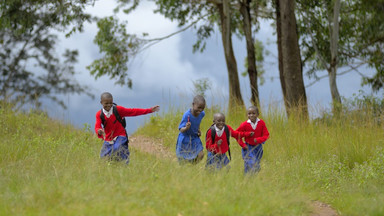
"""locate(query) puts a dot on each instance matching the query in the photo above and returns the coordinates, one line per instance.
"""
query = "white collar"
(218, 131)
(254, 125)
(108, 113)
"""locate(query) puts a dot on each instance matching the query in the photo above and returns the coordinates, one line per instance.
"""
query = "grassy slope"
(47, 168)
(340, 162)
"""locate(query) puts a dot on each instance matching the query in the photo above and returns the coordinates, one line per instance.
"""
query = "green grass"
(49, 168)
(339, 161)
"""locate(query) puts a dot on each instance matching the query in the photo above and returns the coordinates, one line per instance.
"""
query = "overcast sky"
(164, 74)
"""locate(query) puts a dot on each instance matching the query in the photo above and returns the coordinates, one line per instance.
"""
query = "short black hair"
(219, 114)
(106, 95)
(199, 99)
(255, 108)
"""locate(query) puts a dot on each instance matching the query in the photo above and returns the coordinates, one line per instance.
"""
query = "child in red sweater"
(252, 148)
(109, 127)
(218, 143)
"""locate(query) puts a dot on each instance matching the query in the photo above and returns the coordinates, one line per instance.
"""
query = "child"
(110, 126)
(189, 147)
(252, 149)
(217, 141)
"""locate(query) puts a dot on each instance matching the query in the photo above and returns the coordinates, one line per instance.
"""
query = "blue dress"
(188, 144)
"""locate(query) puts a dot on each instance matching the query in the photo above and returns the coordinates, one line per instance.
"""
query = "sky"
(164, 74)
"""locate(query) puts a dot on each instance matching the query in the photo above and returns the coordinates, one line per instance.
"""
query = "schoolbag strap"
(102, 117)
(116, 113)
(213, 133)
(119, 119)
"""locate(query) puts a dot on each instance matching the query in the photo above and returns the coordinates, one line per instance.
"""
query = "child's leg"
(199, 157)
(106, 150)
(120, 149)
(252, 158)
(211, 161)
(258, 155)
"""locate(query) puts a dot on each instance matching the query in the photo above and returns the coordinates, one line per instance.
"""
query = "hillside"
(49, 168)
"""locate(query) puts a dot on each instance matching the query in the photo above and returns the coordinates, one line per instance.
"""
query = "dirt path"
(151, 146)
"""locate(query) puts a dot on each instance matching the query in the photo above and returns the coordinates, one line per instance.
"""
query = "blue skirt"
(216, 161)
(117, 150)
(188, 147)
(252, 158)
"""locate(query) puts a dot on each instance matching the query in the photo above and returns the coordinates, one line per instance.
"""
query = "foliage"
(201, 86)
(260, 53)
(360, 37)
(29, 67)
(118, 46)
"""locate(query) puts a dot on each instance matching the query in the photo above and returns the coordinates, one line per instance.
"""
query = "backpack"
(117, 115)
(213, 135)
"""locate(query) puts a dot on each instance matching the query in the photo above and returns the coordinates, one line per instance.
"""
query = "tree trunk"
(292, 68)
(252, 70)
(235, 98)
(336, 100)
(280, 53)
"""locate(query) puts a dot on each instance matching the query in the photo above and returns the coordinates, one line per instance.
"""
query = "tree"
(292, 79)
(188, 14)
(29, 68)
(245, 11)
(341, 35)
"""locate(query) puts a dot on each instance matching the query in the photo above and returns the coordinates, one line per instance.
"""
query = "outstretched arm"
(238, 135)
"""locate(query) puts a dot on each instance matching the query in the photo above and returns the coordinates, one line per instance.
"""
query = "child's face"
(252, 114)
(197, 108)
(107, 103)
(219, 121)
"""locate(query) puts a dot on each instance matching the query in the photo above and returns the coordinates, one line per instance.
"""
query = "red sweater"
(260, 133)
(223, 148)
(113, 128)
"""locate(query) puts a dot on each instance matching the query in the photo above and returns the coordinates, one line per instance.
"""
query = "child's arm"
(265, 133)
(184, 120)
(208, 142)
(238, 135)
(98, 129)
(123, 111)
(187, 126)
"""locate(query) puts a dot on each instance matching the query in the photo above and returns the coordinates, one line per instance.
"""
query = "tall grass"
(49, 168)
(338, 160)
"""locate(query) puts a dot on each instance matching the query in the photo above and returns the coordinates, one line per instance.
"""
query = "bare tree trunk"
(336, 100)
(280, 53)
(235, 98)
(252, 70)
(292, 68)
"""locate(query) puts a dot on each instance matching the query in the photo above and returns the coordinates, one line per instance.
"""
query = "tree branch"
(352, 68)
(151, 42)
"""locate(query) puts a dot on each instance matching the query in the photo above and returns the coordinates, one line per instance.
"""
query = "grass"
(49, 168)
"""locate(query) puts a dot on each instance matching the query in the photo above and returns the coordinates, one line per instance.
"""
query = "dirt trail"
(154, 147)
(151, 146)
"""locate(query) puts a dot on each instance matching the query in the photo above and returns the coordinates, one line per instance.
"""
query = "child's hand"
(155, 108)
(219, 142)
(100, 132)
(187, 125)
